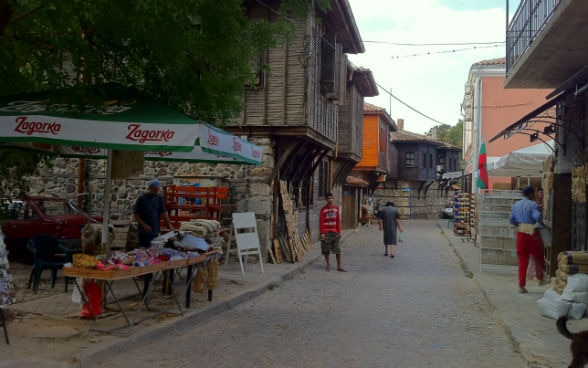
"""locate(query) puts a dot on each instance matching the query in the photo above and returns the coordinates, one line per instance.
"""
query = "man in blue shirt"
(525, 215)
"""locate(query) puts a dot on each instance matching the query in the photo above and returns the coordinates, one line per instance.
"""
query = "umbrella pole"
(106, 216)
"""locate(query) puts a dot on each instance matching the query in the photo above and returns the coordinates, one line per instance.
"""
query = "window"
(430, 160)
(409, 160)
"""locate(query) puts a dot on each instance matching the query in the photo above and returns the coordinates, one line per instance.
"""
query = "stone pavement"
(46, 328)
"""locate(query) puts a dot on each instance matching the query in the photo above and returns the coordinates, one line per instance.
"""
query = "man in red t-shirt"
(330, 225)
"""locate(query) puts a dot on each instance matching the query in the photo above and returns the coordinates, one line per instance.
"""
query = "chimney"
(400, 124)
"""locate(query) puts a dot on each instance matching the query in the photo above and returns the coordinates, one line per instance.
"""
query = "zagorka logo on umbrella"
(213, 139)
(255, 153)
(137, 134)
(237, 145)
(32, 127)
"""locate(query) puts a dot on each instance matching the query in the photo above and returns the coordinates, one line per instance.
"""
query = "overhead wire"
(488, 45)
(410, 107)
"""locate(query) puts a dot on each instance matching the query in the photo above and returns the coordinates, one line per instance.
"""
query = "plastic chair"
(49, 254)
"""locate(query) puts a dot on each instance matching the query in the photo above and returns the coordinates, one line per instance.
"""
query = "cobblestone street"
(415, 310)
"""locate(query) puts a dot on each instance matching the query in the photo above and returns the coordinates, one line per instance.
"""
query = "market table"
(109, 276)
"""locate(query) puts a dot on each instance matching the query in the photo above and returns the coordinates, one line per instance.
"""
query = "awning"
(526, 161)
(525, 124)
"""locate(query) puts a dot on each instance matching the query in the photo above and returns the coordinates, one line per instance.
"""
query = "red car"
(22, 219)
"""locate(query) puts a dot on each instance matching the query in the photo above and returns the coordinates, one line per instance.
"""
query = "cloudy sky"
(421, 51)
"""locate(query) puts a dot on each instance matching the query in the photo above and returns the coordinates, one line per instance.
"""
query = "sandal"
(328, 268)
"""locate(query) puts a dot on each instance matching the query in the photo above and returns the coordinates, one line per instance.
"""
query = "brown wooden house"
(306, 112)
(422, 158)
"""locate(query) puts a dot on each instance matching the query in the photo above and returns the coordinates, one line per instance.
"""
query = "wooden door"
(349, 209)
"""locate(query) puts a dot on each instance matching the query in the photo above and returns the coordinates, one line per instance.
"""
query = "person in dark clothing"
(389, 222)
(149, 208)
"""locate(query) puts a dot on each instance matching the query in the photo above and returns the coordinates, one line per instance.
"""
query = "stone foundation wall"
(250, 187)
(423, 202)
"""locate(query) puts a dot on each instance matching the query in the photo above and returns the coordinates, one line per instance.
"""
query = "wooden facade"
(377, 159)
(308, 103)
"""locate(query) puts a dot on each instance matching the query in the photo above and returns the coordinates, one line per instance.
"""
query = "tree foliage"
(195, 55)
(449, 134)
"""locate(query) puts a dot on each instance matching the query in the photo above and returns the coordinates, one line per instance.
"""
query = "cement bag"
(577, 310)
(575, 296)
(577, 282)
(552, 306)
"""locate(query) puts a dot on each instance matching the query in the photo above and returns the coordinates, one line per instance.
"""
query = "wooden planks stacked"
(294, 245)
(569, 263)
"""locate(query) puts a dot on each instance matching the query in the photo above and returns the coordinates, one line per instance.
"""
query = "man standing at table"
(148, 210)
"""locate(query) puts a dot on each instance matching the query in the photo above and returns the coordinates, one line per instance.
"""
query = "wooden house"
(422, 158)
(377, 162)
(306, 112)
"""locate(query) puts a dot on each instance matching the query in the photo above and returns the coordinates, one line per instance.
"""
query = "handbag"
(400, 237)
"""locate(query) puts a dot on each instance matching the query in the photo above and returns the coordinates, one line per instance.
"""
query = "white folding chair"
(246, 237)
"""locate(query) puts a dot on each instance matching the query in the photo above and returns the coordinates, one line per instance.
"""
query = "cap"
(154, 183)
(528, 190)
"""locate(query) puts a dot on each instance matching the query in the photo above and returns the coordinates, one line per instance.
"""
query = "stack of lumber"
(290, 246)
(569, 263)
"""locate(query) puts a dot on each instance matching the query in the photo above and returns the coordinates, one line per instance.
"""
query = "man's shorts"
(331, 244)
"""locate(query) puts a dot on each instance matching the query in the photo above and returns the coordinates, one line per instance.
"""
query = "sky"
(421, 51)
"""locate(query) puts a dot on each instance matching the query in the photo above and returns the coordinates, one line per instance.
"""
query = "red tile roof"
(498, 61)
(368, 107)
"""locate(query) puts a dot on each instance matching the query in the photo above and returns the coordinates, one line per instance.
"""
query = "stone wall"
(250, 185)
(423, 201)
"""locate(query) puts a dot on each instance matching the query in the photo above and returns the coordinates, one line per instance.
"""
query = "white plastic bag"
(577, 310)
(76, 297)
(552, 306)
(577, 282)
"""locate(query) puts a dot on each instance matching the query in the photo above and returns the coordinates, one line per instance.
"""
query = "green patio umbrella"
(90, 122)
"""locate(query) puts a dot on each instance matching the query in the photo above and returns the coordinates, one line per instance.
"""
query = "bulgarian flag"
(483, 178)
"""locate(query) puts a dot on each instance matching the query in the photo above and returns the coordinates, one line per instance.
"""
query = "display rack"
(497, 236)
(463, 214)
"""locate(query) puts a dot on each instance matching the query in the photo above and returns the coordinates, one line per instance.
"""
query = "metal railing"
(529, 20)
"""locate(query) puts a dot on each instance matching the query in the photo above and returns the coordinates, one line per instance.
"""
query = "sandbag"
(577, 310)
(575, 296)
(553, 307)
(576, 282)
